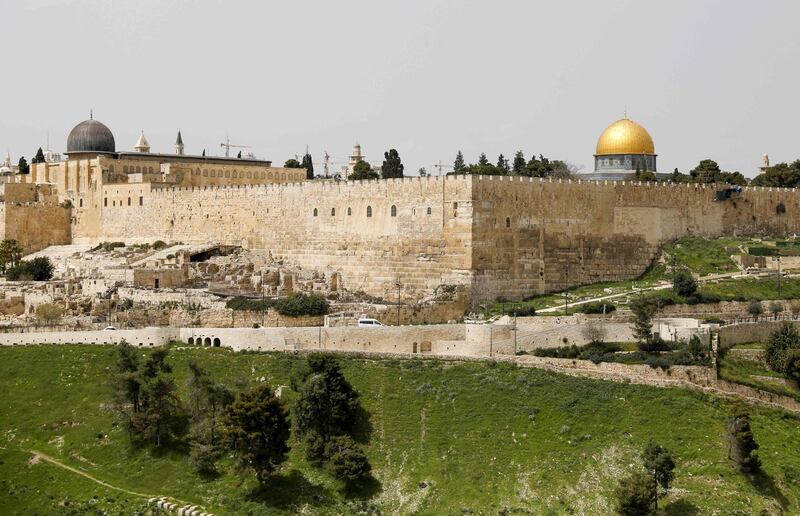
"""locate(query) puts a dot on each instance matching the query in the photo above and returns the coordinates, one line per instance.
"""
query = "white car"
(109, 328)
(369, 323)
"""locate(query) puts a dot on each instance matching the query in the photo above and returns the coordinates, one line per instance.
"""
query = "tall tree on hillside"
(326, 404)
(308, 164)
(659, 464)
(518, 164)
(392, 166)
(642, 322)
(742, 445)
(483, 160)
(458, 164)
(636, 495)
(256, 429)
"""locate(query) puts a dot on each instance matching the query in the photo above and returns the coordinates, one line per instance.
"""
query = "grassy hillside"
(446, 438)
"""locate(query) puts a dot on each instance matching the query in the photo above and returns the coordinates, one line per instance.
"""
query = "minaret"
(354, 158)
(142, 145)
(7, 160)
(764, 163)
(179, 145)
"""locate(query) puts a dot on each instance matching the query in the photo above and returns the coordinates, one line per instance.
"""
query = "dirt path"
(39, 456)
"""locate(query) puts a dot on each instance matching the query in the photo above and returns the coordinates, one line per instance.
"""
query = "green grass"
(446, 437)
(705, 256)
(747, 372)
(761, 289)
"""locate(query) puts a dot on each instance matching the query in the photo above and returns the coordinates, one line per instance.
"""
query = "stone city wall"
(494, 235)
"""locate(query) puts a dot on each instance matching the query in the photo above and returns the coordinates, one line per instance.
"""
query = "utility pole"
(515, 333)
(566, 287)
(397, 284)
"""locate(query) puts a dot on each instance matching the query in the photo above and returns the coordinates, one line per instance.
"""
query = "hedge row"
(296, 305)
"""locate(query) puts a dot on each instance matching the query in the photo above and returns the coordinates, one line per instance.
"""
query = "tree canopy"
(256, 429)
(392, 166)
(362, 170)
(308, 164)
(292, 163)
(782, 174)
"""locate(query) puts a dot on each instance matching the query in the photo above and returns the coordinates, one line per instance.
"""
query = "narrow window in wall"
(508, 222)
(369, 211)
(105, 201)
(349, 211)
(429, 210)
(315, 212)
(455, 205)
(80, 203)
(129, 201)
(333, 212)
(141, 201)
(393, 211)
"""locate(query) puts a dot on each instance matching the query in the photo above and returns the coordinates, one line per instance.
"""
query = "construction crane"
(440, 166)
(228, 145)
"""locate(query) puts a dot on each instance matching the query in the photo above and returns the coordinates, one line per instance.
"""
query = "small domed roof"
(90, 136)
(625, 137)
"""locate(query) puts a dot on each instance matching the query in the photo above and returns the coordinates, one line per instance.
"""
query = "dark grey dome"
(90, 136)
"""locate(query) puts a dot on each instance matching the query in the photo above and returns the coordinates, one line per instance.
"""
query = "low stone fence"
(139, 337)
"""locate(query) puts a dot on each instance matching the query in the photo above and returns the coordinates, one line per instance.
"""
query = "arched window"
(393, 211)
(508, 222)
(333, 212)
(315, 212)
(429, 210)
(138, 169)
(125, 169)
(369, 211)
(205, 172)
(349, 211)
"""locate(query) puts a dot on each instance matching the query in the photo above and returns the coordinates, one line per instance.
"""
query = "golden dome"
(625, 137)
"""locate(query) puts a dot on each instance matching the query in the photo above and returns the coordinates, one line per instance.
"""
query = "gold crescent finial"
(625, 112)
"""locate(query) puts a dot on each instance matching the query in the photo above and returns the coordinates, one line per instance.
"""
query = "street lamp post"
(397, 284)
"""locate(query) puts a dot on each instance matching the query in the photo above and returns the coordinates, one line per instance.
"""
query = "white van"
(369, 323)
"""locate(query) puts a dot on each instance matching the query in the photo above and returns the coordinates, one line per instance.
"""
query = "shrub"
(655, 361)
(636, 495)
(525, 311)
(684, 283)
(296, 305)
(654, 344)
(755, 309)
(699, 298)
(346, 460)
(596, 307)
(742, 445)
(159, 244)
(48, 313)
(781, 347)
(203, 459)
(38, 269)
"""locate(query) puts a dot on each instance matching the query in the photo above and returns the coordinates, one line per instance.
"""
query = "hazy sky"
(708, 79)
